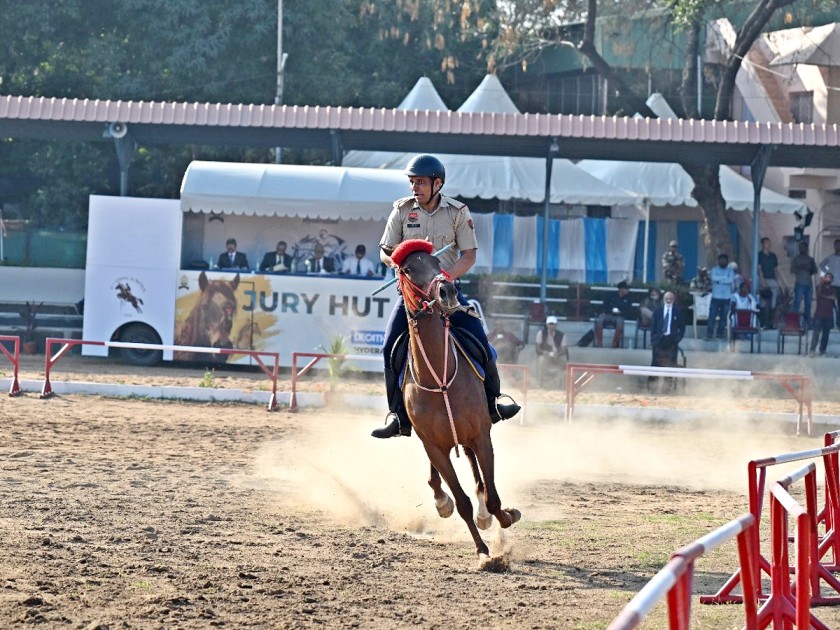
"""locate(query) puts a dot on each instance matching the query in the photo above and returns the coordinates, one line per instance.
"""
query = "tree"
(690, 14)
(213, 51)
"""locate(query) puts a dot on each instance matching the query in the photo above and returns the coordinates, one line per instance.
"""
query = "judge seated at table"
(278, 260)
(358, 265)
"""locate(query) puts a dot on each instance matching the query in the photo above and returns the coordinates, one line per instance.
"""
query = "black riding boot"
(400, 424)
(492, 389)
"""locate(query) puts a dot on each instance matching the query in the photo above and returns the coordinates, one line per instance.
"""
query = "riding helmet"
(426, 166)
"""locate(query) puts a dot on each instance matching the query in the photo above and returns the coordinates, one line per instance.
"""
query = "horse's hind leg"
(483, 519)
(443, 502)
(440, 462)
(484, 453)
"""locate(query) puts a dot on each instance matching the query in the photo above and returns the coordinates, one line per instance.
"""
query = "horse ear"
(235, 282)
(202, 281)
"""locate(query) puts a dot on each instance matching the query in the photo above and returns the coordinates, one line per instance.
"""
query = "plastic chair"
(644, 328)
(744, 323)
(793, 325)
(702, 304)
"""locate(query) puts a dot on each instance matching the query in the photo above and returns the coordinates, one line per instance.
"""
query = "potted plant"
(335, 365)
(29, 317)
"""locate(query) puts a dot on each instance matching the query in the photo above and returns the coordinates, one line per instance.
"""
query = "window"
(802, 106)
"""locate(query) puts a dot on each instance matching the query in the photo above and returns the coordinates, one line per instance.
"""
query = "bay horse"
(443, 394)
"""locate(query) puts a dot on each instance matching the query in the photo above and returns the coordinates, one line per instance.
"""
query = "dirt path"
(138, 514)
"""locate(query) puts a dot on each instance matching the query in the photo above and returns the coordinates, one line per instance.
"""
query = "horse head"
(424, 285)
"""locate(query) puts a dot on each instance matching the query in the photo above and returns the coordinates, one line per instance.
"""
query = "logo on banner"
(367, 341)
(128, 295)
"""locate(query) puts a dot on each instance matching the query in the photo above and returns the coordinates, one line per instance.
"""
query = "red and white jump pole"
(66, 344)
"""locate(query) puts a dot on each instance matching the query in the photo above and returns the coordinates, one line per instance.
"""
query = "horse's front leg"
(483, 519)
(443, 502)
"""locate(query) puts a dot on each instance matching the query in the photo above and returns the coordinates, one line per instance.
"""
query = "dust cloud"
(331, 464)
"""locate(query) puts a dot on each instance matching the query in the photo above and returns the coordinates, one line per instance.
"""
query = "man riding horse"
(441, 220)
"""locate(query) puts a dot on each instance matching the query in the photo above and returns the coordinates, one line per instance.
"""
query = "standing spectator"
(673, 264)
(667, 330)
(358, 265)
(767, 265)
(823, 313)
(803, 267)
(722, 277)
(737, 278)
(232, 259)
(617, 307)
(550, 345)
(832, 264)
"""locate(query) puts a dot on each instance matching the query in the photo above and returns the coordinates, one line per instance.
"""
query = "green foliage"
(340, 52)
(335, 365)
(29, 318)
(208, 379)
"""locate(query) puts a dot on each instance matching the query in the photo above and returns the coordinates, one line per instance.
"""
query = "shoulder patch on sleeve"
(399, 203)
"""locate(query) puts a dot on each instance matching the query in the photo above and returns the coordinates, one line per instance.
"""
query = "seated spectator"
(743, 300)
(617, 307)
(737, 279)
(319, 263)
(506, 344)
(278, 260)
(550, 345)
(232, 259)
(649, 305)
(358, 265)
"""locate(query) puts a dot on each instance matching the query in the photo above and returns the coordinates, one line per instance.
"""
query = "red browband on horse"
(410, 246)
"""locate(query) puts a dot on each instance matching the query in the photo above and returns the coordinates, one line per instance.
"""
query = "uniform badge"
(412, 216)
(470, 223)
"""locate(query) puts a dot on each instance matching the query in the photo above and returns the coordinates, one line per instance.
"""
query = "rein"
(417, 307)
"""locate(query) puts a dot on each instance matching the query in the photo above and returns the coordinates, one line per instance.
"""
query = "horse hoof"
(445, 507)
(515, 515)
(484, 522)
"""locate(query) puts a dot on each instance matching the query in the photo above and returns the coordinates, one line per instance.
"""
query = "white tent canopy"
(323, 192)
(666, 184)
(501, 177)
(423, 97)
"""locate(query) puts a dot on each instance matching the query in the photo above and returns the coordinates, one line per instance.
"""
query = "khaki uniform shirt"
(451, 222)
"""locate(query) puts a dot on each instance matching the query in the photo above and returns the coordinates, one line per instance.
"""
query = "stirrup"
(392, 429)
(503, 412)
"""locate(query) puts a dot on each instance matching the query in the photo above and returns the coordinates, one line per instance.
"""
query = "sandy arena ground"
(130, 513)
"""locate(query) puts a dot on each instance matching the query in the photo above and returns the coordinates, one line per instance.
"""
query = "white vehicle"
(151, 276)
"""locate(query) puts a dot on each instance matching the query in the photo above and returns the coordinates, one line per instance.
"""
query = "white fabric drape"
(621, 248)
(572, 251)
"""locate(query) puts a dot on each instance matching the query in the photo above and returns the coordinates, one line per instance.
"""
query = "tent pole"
(757, 169)
(647, 241)
(549, 161)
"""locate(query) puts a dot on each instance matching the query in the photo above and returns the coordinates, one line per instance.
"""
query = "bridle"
(420, 302)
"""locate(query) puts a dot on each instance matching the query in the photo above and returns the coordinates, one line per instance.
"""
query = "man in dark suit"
(278, 260)
(232, 259)
(319, 263)
(666, 332)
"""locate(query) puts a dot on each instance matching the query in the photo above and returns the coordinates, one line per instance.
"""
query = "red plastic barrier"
(756, 480)
(66, 344)
(791, 602)
(14, 357)
(674, 580)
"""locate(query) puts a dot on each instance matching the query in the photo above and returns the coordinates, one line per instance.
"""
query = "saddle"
(465, 342)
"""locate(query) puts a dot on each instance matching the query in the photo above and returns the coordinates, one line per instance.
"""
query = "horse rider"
(441, 220)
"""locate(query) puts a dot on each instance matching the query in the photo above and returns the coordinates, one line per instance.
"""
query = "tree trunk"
(715, 227)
